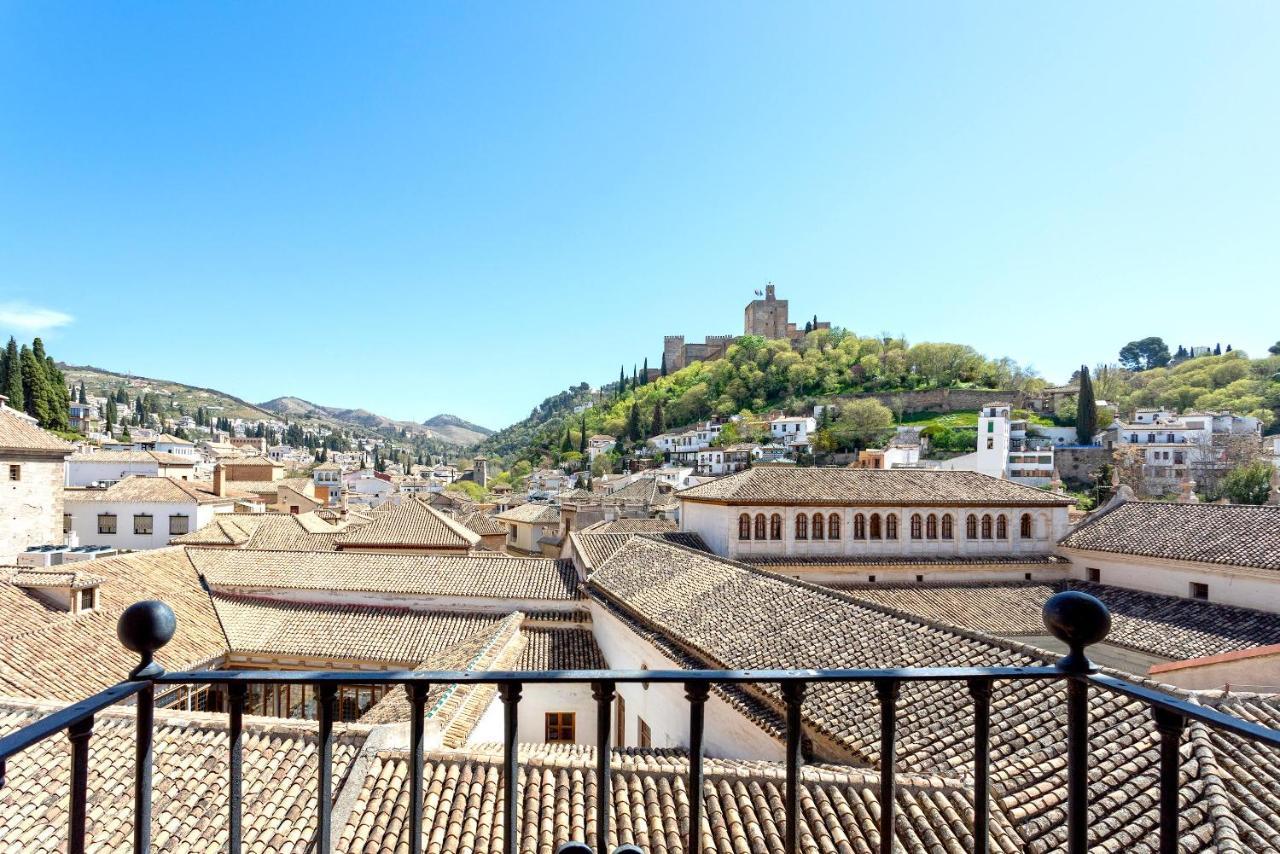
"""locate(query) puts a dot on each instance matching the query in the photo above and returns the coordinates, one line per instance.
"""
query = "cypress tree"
(663, 371)
(11, 376)
(34, 385)
(566, 443)
(622, 380)
(59, 396)
(633, 423)
(659, 420)
(111, 414)
(83, 398)
(582, 440)
(1086, 410)
(644, 377)
(1217, 349)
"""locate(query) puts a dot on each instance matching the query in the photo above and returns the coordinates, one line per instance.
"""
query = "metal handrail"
(1074, 617)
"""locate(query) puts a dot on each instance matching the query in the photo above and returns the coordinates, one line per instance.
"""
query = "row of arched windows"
(820, 527)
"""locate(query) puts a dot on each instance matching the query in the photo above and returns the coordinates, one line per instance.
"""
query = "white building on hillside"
(1006, 450)
(141, 512)
(793, 431)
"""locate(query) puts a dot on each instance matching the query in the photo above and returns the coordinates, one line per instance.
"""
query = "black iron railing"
(1072, 616)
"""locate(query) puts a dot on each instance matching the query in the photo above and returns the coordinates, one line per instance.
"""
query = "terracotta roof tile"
(19, 434)
(411, 523)
(858, 487)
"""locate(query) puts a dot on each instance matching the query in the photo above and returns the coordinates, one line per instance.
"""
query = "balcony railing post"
(327, 702)
(1078, 620)
(603, 693)
(793, 694)
(887, 693)
(980, 690)
(144, 627)
(142, 770)
(696, 693)
(79, 733)
(417, 733)
(1170, 725)
(235, 763)
(510, 692)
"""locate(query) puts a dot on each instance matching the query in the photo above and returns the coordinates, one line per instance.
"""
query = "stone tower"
(766, 317)
(481, 475)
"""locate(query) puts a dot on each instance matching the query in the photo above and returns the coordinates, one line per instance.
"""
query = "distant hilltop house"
(766, 316)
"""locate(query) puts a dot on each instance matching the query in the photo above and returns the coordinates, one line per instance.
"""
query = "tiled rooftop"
(266, 531)
(412, 523)
(19, 434)
(437, 575)
(160, 490)
(531, 514)
(1234, 534)
(858, 487)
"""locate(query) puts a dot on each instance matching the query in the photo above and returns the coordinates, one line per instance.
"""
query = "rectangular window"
(646, 737)
(86, 600)
(179, 524)
(1199, 591)
(1094, 574)
(142, 523)
(15, 472)
(66, 523)
(620, 724)
(106, 523)
(560, 727)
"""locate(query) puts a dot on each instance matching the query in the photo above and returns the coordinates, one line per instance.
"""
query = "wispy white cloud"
(30, 318)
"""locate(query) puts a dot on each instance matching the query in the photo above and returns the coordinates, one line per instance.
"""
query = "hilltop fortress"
(766, 317)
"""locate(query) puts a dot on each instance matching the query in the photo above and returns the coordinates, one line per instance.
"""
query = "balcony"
(1075, 618)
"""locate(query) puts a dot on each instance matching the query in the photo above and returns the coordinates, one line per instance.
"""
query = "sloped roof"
(412, 523)
(189, 778)
(19, 434)
(49, 653)
(708, 611)
(130, 457)
(472, 576)
(839, 486)
(482, 523)
(595, 548)
(632, 526)
(155, 490)
(531, 514)
(266, 531)
(1231, 534)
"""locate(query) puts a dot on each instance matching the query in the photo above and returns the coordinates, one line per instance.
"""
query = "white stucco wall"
(84, 521)
(535, 701)
(1229, 585)
(664, 708)
(718, 526)
(87, 472)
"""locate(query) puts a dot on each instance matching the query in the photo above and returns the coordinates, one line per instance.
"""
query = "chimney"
(219, 485)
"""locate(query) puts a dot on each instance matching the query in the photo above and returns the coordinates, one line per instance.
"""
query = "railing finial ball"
(1078, 620)
(145, 627)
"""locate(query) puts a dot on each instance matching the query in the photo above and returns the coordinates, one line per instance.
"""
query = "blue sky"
(418, 208)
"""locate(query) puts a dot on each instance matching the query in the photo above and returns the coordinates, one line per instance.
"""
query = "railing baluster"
(142, 770)
(327, 697)
(603, 693)
(510, 766)
(793, 694)
(1169, 724)
(980, 690)
(887, 691)
(235, 763)
(696, 692)
(79, 733)
(1077, 766)
(417, 734)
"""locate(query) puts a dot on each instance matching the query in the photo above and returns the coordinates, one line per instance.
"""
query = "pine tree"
(658, 423)
(1228, 348)
(1086, 410)
(11, 376)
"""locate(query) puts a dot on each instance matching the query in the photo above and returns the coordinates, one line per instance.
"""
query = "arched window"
(744, 527)
(947, 532)
(802, 527)
(817, 526)
(931, 526)
(833, 526)
(859, 527)
(1002, 527)
(986, 526)
(971, 527)
(875, 526)
(1026, 526)
(890, 526)
(760, 526)
(775, 526)
(916, 531)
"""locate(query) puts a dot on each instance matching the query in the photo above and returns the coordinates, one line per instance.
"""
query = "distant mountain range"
(444, 427)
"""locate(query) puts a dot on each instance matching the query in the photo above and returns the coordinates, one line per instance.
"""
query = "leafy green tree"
(1274, 349)
(1145, 354)
(861, 423)
(1086, 409)
(1249, 483)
